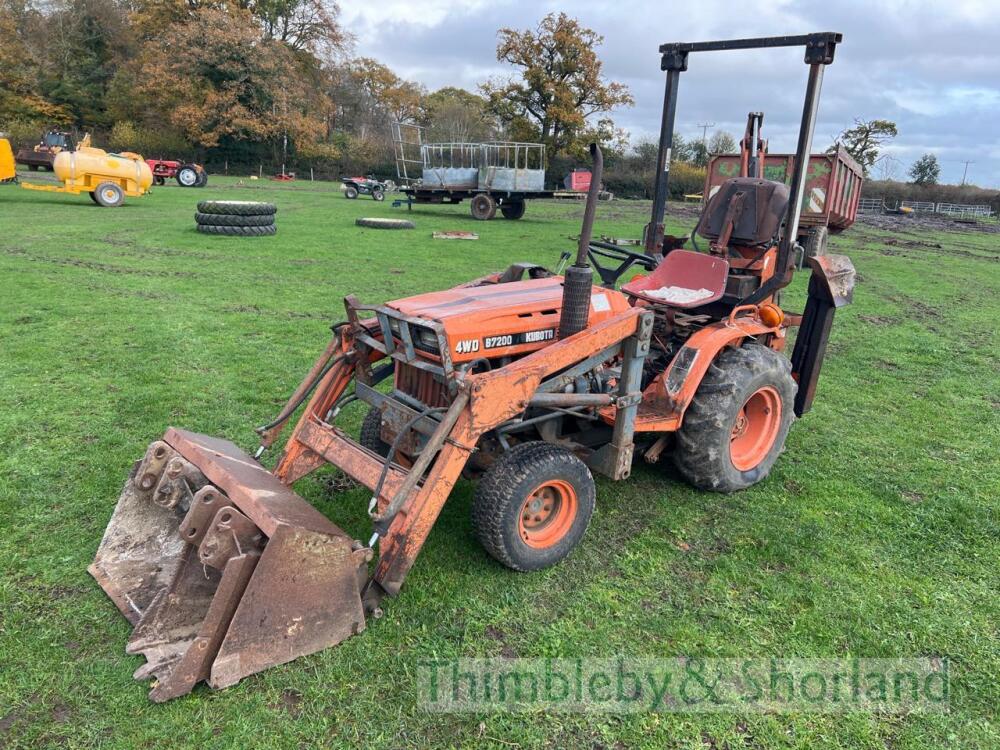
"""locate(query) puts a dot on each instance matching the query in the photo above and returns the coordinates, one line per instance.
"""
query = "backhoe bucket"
(223, 570)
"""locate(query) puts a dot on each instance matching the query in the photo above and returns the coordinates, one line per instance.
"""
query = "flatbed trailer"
(485, 203)
(493, 175)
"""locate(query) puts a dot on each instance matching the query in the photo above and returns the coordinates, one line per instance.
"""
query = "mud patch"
(90, 265)
(289, 314)
(290, 701)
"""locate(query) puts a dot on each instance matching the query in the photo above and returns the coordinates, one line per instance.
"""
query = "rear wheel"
(350, 192)
(109, 195)
(735, 428)
(533, 505)
(33, 167)
(159, 180)
(816, 241)
(483, 207)
(187, 176)
(512, 210)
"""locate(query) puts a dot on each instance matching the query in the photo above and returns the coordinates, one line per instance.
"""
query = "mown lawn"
(875, 536)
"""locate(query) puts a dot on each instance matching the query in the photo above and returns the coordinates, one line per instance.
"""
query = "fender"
(667, 398)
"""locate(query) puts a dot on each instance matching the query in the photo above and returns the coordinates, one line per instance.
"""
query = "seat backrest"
(764, 203)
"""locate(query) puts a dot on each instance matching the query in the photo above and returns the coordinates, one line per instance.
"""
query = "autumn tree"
(865, 139)
(926, 170)
(400, 99)
(216, 80)
(560, 85)
(302, 24)
(21, 98)
(722, 142)
(456, 115)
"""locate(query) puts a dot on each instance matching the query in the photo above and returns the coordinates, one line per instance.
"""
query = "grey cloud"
(931, 67)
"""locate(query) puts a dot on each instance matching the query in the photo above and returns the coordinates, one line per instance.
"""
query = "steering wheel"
(626, 259)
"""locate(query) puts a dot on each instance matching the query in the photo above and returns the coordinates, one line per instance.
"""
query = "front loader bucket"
(223, 570)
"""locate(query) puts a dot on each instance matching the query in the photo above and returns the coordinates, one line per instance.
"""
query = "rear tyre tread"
(236, 208)
(264, 231)
(226, 220)
(702, 449)
(371, 433)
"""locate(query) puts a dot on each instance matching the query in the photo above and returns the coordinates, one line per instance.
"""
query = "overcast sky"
(932, 66)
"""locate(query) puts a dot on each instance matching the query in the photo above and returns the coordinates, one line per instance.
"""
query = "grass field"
(876, 535)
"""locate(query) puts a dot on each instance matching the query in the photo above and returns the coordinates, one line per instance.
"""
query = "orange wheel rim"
(755, 429)
(547, 514)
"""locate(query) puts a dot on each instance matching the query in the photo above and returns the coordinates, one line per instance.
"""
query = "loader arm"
(406, 503)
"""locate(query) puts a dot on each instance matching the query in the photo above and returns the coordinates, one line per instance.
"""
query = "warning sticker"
(600, 302)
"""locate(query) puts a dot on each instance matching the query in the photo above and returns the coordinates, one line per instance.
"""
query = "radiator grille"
(424, 386)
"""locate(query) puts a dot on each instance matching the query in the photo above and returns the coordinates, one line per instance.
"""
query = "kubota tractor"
(529, 381)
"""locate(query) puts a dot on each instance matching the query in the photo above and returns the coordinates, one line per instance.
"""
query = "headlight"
(426, 338)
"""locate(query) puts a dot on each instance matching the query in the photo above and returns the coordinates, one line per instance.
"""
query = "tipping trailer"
(832, 190)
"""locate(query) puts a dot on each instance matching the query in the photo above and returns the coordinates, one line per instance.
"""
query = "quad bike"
(527, 380)
(186, 174)
(355, 186)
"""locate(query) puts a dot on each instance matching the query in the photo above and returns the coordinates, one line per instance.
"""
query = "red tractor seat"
(678, 279)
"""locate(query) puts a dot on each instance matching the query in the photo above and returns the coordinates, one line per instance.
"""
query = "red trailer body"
(578, 180)
(833, 185)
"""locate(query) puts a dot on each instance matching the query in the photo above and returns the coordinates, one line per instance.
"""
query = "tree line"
(272, 82)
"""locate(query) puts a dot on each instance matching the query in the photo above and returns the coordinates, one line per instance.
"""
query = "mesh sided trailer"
(494, 175)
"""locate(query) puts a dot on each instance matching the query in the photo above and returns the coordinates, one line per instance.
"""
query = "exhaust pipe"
(579, 279)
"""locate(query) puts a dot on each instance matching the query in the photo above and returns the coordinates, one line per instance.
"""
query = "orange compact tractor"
(527, 380)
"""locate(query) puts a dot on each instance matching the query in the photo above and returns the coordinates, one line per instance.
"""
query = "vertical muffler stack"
(223, 570)
(579, 280)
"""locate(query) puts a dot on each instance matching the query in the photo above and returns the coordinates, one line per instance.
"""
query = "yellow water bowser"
(106, 177)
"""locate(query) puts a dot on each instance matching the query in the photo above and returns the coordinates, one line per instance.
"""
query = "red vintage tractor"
(186, 174)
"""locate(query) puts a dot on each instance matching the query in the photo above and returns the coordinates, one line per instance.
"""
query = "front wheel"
(735, 428)
(533, 505)
(159, 180)
(484, 207)
(378, 195)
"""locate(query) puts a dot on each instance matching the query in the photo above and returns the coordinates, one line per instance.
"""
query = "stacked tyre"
(236, 218)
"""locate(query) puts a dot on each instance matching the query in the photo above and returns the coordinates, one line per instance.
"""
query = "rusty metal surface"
(837, 274)
(502, 394)
(359, 464)
(250, 487)
(141, 549)
(304, 596)
(251, 576)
